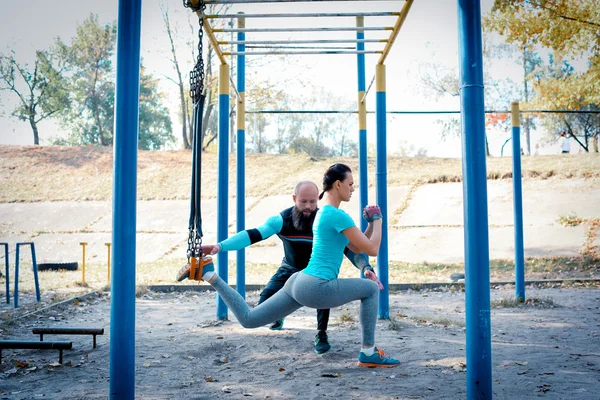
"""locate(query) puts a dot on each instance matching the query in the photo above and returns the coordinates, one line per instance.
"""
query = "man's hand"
(371, 213)
(210, 249)
(373, 277)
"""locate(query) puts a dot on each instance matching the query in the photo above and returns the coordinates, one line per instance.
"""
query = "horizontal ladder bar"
(306, 15)
(282, 1)
(324, 41)
(332, 29)
(301, 47)
(416, 112)
(277, 53)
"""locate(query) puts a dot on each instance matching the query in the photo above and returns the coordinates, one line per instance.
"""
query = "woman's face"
(346, 187)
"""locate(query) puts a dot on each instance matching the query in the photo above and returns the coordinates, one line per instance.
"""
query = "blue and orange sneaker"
(195, 269)
(377, 360)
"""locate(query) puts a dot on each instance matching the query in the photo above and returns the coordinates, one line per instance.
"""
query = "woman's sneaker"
(322, 345)
(377, 360)
(194, 270)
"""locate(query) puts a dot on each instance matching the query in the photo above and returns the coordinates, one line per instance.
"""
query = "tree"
(583, 128)
(183, 94)
(288, 129)
(156, 129)
(308, 145)
(570, 30)
(262, 94)
(440, 81)
(42, 93)
(155, 126)
(92, 81)
(531, 61)
(190, 44)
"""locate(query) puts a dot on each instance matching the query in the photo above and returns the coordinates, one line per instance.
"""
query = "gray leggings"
(306, 290)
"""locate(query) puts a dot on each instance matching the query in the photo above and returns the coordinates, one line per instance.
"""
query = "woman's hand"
(371, 213)
(373, 277)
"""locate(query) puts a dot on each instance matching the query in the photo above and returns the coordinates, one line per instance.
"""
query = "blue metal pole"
(241, 158)
(518, 203)
(362, 126)
(35, 272)
(223, 173)
(477, 260)
(16, 293)
(381, 173)
(122, 315)
(7, 272)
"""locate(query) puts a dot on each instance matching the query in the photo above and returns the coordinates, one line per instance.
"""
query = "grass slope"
(33, 173)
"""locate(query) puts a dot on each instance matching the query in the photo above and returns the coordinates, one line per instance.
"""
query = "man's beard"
(301, 221)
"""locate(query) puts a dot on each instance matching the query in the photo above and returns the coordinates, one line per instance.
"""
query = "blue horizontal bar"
(415, 112)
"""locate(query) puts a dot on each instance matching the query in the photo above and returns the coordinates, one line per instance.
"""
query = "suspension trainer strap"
(198, 108)
(198, 97)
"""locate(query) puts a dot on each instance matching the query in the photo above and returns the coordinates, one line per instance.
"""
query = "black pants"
(278, 280)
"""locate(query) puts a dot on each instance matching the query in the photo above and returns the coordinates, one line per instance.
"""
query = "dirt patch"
(182, 351)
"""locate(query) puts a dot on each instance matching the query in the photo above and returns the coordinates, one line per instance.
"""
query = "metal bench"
(67, 331)
(29, 344)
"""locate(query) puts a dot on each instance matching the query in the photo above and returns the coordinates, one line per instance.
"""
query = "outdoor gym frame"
(477, 276)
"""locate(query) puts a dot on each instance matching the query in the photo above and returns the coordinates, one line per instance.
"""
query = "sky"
(430, 33)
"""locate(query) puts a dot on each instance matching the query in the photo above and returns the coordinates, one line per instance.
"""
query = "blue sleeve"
(360, 261)
(250, 236)
(271, 227)
(342, 221)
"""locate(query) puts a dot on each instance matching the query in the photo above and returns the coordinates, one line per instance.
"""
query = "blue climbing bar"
(122, 315)
(363, 181)
(223, 183)
(477, 259)
(241, 158)
(518, 202)
(381, 177)
(34, 268)
(6, 271)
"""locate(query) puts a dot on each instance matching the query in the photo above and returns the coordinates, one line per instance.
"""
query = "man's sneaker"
(377, 360)
(322, 345)
(277, 325)
(194, 270)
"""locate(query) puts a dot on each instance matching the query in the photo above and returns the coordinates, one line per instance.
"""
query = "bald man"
(294, 227)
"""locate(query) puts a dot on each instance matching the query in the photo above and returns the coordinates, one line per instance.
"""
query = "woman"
(318, 286)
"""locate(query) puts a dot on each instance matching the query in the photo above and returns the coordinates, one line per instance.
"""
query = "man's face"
(306, 199)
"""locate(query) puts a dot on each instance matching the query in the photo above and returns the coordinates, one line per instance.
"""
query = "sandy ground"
(547, 351)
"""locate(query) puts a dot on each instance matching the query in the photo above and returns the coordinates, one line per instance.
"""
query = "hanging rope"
(198, 96)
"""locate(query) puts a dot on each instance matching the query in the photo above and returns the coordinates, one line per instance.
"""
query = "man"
(294, 227)
(565, 146)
